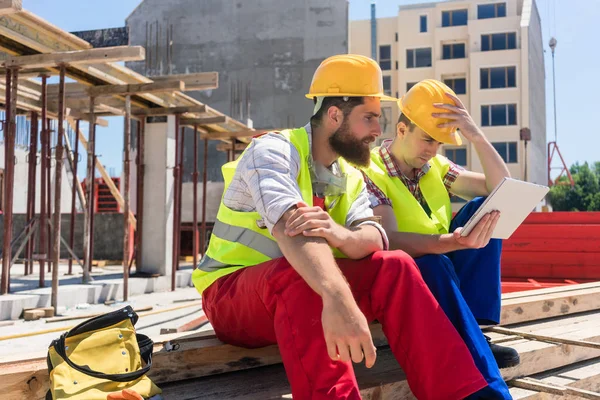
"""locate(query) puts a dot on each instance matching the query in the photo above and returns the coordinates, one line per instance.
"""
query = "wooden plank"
(544, 338)
(89, 56)
(86, 117)
(107, 179)
(148, 112)
(197, 358)
(557, 290)
(123, 90)
(573, 271)
(227, 147)
(534, 384)
(547, 306)
(196, 81)
(189, 326)
(550, 258)
(10, 6)
(563, 245)
(563, 217)
(574, 231)
(217, 119)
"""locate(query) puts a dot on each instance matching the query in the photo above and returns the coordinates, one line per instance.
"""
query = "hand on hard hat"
(418, 106)
(348, 75)
(458, 117)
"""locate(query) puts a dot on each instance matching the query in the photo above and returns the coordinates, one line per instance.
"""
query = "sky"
(577, 64)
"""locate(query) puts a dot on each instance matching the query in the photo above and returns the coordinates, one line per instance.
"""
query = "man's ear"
(401, 129)
(335, 115)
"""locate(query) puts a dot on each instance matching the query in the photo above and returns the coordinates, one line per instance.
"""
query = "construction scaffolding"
(36, 49)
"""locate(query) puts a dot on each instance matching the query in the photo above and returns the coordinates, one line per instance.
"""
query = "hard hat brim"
(453, 138)
(381, 97)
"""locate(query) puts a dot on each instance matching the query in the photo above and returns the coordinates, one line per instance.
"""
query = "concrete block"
(12, 305)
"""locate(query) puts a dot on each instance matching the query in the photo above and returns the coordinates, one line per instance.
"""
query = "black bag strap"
(144, 342)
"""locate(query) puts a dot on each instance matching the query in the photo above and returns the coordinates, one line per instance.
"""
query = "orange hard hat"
(348, 75)
(417, 105)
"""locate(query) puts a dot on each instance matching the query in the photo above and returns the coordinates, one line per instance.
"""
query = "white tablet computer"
(515, 200)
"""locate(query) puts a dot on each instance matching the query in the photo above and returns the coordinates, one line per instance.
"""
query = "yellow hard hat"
(417, 105)
(348, 75)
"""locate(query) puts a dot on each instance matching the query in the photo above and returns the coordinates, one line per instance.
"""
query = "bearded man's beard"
(353, 150)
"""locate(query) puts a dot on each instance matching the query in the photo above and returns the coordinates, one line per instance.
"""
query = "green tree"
(585, 196)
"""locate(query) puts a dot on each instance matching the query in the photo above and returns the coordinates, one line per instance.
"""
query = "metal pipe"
(73, 195)
(88, 188)
(204, 187)
(32, 156)
(180, 196)
(195, 198)
(93, 206)
(126, 150)
(140, 192)
(9, 157)
(57, 187)
(43, 224)
(174, 258)
(49, 186)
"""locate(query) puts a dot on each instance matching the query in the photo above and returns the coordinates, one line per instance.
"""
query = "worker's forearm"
(417, 245)
(311, 257)
(362, 241)
(494, 167)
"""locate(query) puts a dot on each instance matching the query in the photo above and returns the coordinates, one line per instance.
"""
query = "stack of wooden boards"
(552, 249)
(199, 366)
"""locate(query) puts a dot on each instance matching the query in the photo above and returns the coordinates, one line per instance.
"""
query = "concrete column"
(159, 159)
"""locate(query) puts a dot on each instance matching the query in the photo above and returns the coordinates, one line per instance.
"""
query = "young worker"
(410, 187)
(295, 257)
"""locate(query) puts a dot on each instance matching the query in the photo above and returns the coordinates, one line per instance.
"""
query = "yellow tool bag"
(100, 356)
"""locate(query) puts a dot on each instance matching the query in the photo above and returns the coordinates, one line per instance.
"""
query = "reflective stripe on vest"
(245, 236)
(237, 242)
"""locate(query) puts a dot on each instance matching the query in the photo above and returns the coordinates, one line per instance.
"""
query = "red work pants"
(270, 303)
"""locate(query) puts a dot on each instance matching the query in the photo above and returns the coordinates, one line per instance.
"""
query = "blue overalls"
(466, 283)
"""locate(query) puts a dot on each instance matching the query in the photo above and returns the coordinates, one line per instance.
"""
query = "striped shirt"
(376, 195)
(265, 181)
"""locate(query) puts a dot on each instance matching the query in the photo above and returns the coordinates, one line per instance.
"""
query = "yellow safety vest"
(410, 215)
(237, 241)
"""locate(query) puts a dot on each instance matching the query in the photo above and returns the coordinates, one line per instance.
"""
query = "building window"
(397, 65)
(418, 58)
(455, 50)
(387, 85)
(396, 36)
(458, 155)
(385, 121)
(499, 41)
(507, 150)
(385, 57)
(499, 115)
(485, 11)
(459, 85)
(409, 85)
(496, 78)
(423, 23)
(455, 17)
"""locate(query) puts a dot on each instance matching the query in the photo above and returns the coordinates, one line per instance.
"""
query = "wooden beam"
(197, 81)
(123, 90)
(86, 117)
(107, 179)
(148, 112)
(544, 338)
(227, 147)
(218, 119)
(189, 326)
(91, 56)
(10, 6)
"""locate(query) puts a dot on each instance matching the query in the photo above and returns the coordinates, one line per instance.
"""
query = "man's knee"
(395, 263)
(437, 266)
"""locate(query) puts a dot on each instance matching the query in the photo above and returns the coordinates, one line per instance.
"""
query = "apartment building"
(489, 51)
